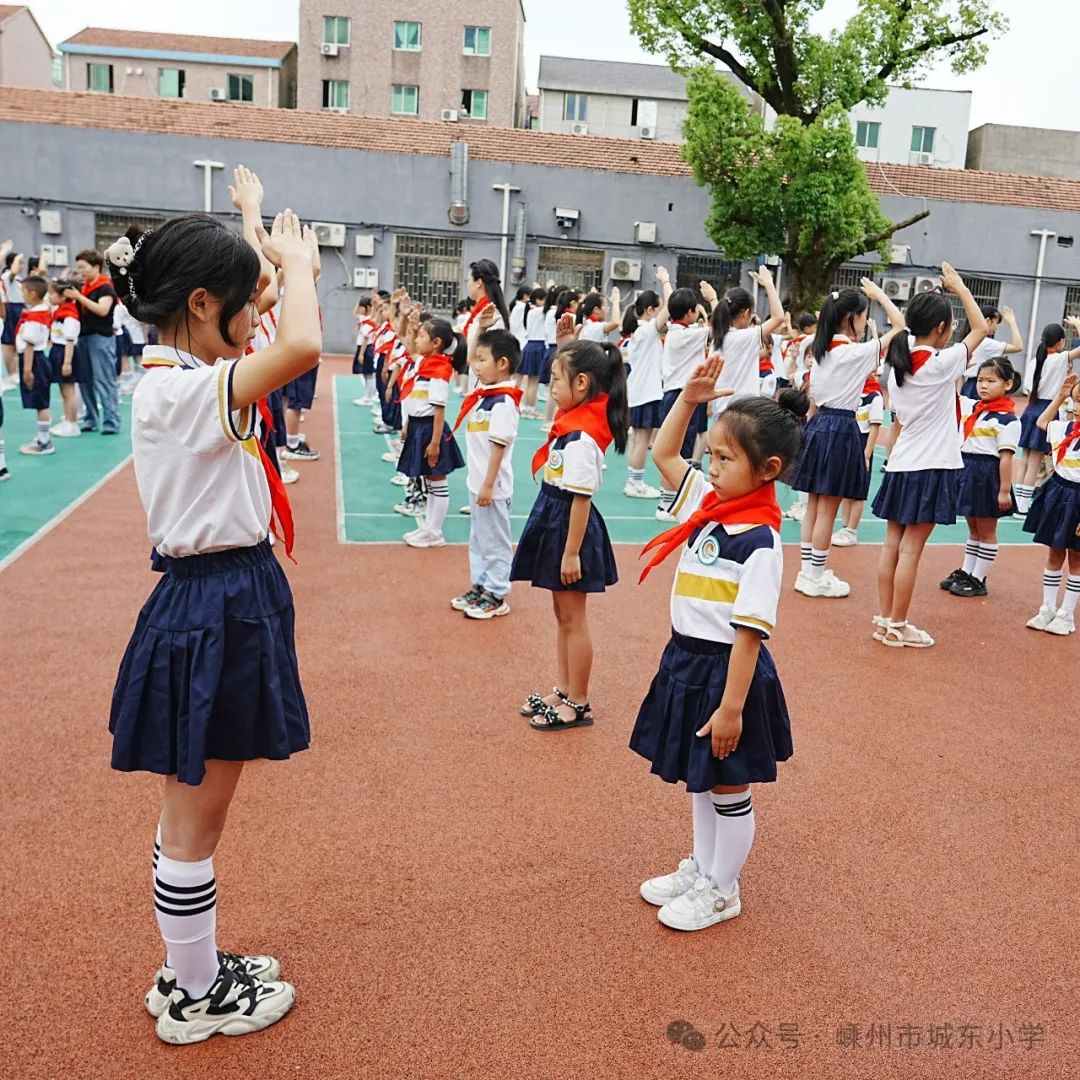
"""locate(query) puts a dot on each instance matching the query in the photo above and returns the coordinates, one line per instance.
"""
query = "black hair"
(523, 293)
(806, 320)
(629, 321)
(1004, 370)
(486, 272)
(835, 312)
(647, 299)
(37, 283)
(10, 257)
(537, 294)
(732, 303)
(680, 303)
(1051, 335)
(566, 298)
(588, 306)
(988, 312)
(185, 253)
(926, 312)
(60, 284)
(363, 301)
(603, 363)
(553, 297)
(453, 345)
(764, 428)
(503, 346)
(385, 294)
(795, 401)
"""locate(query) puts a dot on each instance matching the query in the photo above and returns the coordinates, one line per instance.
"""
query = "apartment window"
(337, 29)
(922, 140)
(335, 94)
(407, 36)
(986, 291)
(575, 106)
(477, 41)
(474, 103)
(99, 78)
(574, 268)
(721, 274)
(866, 134)
(170, 82)
(406, 100)
(430, 268)
(58, 71)
(241, 88)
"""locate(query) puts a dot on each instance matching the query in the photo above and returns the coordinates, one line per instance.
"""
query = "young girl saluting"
(209, 679)
(565, 546)
(715, 716)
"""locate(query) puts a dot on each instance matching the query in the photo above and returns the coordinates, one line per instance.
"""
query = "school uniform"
(871, 410)
(388, 349)
(32, 331)
(833, 461)
(364, 357)
(532, 356)
(10, 293)
(1055, 368)
(741, 350)
(644, 380)
(1055, 511)
(550, 346)
(804, 358)
(684, 352)
(517, 322)
(925, 462)
(592, 330)
(63, 328)
(987, 433)
(471, 331)
(572, 465)
(728, 578)
(210, 670)
(987, 349)
(426, 386)
(768, 370)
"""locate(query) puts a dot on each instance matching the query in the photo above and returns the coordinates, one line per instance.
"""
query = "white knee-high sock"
(971, 556)
(185, 902)
(734, 837)
(805, 555)
(987, 555)
(817, 563)
(704, 830)
(1072, 594)
(1051, 584)
(438, 504)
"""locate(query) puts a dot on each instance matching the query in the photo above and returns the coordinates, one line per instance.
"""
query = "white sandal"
(880, 626)
(924, 640)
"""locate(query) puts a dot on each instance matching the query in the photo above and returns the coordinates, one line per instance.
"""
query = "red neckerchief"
(1071, 432)
(90, 286)
(42, 318)
(281, 519)
(593, 317)
(471, 399)
(1001, 404)
(476, 309)
(764, 366)
(793, 344)
(590, 416)
(758, 507)
(436, 366)
(871, 386)
(67, 310)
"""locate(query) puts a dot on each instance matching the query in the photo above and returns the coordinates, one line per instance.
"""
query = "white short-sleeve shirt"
(871, 411)
(64, 330)
(575, 463)
(592, 330)
(197, 463)
(728, 577)
(925, 406)
(1068, 468)
(987, 349)
(33, 334)
(684, 351)
(1055, 368)
(492, 422)
(838, 380)
(993, 431)
(549, 326)
(426, 395)
(534, 323)
(517, 322)
(741, 350)
(645, 354)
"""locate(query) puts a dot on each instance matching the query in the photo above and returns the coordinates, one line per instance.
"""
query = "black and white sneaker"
(236, 1004)
(263, 968)
(300, 452)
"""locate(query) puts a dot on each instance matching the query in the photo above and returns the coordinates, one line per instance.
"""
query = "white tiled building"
(920, 126)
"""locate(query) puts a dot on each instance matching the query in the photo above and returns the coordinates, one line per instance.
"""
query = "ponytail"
(629, 321)
(731, 304)
(924, 315)
(486, 272)
(603, 363)
(988, 312)
(835, 312)
(553, 297)
(588, 306)
(1051, 335)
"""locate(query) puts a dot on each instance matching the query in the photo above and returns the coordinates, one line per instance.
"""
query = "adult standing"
(485, 289)
(95, 354)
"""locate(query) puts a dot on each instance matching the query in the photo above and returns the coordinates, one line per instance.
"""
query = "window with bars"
(848, 277)
(573, 268)
(1072, 310)
(721, 274)
(108, 228)
(430, 268)
(986, 291)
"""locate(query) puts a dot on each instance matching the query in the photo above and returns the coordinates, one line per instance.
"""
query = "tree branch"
(870, 243)
(771, 93)
(927, 46)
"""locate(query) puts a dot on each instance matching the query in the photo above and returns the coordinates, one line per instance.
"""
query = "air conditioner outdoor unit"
(648, 132)
(926, 284)
(921, 157)
(896, 288)
(329, 50)
(625, 269)
(328, 234)
(579, 129)
(217, 93)
(449, 115)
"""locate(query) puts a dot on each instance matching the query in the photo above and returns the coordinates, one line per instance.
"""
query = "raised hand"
(700, 388)
(287, 240)
(662, 275)
(486, 318)
(951, 281)
(246, 191)
(565, 329)
(708, 293)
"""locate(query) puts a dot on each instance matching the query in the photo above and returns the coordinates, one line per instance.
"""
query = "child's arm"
(871, 442)
(892, 312)
(708, 294)
(664, 280)
(570, 571)
(1005, 480)
(725, 725)
(487, 488)
(28, 366)
(776, 308)
(1008, 316)
(246, 193)
(616, 314)
(432, 453)
(667, 448)
(69, 353)
(952, 282)
(1050, 413)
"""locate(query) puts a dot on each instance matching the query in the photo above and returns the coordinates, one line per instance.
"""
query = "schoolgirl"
(1052, 363)
(644, 323)
(715, 717)
(209, 679)
(364, 357)
(594, 326)
(1054, 517)
(63, 336)
(519, 310)
(991, 348)
(799, 358)
(869, 417)
(832, 466)
(919, 489)
(565, 546)
(533, 352)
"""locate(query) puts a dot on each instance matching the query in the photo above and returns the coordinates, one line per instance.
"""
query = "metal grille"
(848, 277)
(1072, 308)
(984, 290)
(574, 268)
(721, 274)
(430, 268)
(108, 228)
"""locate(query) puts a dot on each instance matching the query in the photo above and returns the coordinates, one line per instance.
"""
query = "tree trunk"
(808, 280)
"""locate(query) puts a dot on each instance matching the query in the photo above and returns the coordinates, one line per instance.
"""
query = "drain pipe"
(517, 261)
(459, 183)
(505, 189)
(1029, 367)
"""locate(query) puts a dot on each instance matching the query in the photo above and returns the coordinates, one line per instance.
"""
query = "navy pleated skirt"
(210, 671)
(832, 461)
(413, 460)
(977, 488)
(923, 497)
(390, 410)
(532, 359)
(1055, 514)
(539, 554)
(545, 371)
(686, 691)
(649, 415)
(1032, 437)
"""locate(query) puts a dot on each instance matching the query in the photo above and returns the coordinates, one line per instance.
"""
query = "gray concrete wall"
(1028, 151)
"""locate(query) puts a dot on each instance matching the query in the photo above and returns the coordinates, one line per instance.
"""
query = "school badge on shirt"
(555, 460)
(709, 551)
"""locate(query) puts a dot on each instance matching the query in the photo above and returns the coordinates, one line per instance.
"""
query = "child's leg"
(822, 511)
(806, 533)
(1026, 475)
(185, 895)
(571, 609)
(71, 405)
(549, 409)
(1055, 561)
(971, 548)
(438, 503)
(855, 513)
(44, 422)
(499, 549)
(986, 530)
(845, 512)
(1072, 586)
(704, 830)
(890, 555)
(734, 835)
(532, 391)
(912, 544)
(639, 449)
(562, 653)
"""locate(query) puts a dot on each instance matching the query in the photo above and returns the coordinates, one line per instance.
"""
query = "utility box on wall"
(644, 232)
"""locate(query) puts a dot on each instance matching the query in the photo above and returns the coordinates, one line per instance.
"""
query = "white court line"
(71, 507)
(339, 493)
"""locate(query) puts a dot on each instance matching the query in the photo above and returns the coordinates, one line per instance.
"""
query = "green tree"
(798, 189)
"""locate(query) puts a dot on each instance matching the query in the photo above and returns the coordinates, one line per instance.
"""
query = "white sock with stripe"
(805, 553)
(637, 476)
(1051, 584)
(1024, 495)
(987, 555)
(734, 837)
(704, 830)
(1072, 594)
(971, 556)
(438, 504)
(667, 499)
(185, 902)
(44, 435)
(817, 563)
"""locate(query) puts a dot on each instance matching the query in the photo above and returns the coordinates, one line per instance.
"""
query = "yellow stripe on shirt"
(223, 405)
(697, 587)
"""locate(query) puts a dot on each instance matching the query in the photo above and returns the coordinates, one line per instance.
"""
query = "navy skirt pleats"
(924, 497)
(686, 691)
(1032, 437)
(977, 488)
(539, 554)
(649, 415)
(1055, 514)
(210, 671)
(831, 461)
(389, 409)
(532, 359)
(413, 461)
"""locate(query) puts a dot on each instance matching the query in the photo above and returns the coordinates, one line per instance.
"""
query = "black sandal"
(552, 720)
(535, 703)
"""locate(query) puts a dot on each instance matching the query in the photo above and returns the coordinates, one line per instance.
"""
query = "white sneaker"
(413, 533)
(845, 537)
(827, 585)
(391, 457)
(66, 429)
(702, 905)
(263, 968)
(797, 511)
(289, 475)
(662, 890)
(640, 490)
(663, 515)
(361, 401)
(1062, 625)
(1045, 617)
(802, 579)
(399, 480)
(411, 509)
(425, 539)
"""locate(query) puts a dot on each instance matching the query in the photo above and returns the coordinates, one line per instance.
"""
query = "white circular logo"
(555, 459)
(709, 551)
